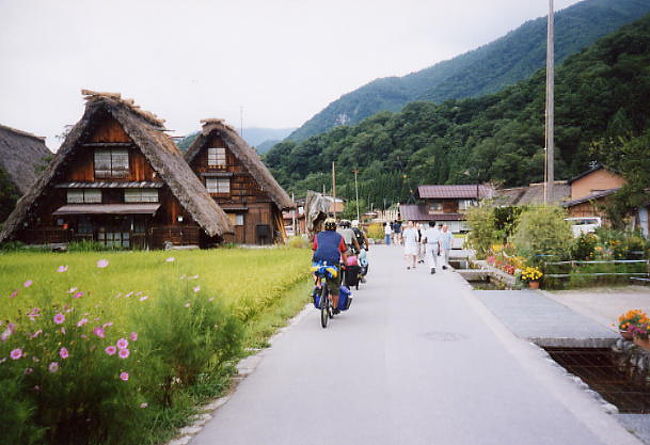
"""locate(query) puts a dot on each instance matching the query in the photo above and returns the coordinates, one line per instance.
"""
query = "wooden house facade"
(239, 183)
(119, 180)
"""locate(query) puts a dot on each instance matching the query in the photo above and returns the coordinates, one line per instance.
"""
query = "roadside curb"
(245, 367)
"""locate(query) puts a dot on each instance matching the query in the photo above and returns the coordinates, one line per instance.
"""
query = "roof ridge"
(129, 103)
(23, 133)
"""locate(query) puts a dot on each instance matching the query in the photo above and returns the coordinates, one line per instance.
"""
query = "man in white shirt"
(432, 236)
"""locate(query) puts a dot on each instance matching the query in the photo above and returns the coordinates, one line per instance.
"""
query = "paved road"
(416, 360)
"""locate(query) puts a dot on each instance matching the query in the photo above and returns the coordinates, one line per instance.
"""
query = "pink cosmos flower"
(171, 259)
(122, 343)
(78, 295)
(53, 367)
(102, 264)
(82, 322)
(99, 332)
(128, 295)
(63, 353)
(144, 405)
(6, 334)
(62, 330)
(134, 336)
(59, 318)
(62, 269)
(36, 334)
(28, 283)
(13, 294)
(15, 354)
(73, 290)
(124, 376)
(196, 289)
(108, 324)
(36, 312)
(124, 353)
(144, 298)
(28, 371)
(110, 350)
(186, 305)
(194, 277)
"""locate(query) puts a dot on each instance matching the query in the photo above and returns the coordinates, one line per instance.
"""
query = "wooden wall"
(595, 181)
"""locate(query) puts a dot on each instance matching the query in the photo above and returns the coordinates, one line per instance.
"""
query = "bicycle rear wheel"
(324, 306)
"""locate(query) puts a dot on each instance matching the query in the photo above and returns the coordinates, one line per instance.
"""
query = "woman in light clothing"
(410, 237)
(388, 232)
(445, 245)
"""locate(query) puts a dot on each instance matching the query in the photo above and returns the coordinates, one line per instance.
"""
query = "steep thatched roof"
(147, 133)
(21, 155)
(246, 156)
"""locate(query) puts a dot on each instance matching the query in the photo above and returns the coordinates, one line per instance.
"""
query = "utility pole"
(334, 187)
(356, 192)
(549, 173)
(293, 214)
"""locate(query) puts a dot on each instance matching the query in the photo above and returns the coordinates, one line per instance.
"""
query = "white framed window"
(464, 204)
(236, 219)
(84, 196)
(217, 185)
(217, 157)
(112, 163)
(140, 195)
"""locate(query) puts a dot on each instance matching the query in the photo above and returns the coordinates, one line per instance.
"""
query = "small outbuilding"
(240, 183)
(119, 180)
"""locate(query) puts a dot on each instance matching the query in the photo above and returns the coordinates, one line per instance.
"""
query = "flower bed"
(110, 348)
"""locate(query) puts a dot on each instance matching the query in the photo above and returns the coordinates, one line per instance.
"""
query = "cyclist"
(349, 236)
(360, 235)
(329, 246)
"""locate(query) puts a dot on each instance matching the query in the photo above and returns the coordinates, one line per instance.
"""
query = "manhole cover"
(444, 336)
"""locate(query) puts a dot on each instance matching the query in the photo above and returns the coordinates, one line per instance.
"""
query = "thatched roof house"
(118, 149)
(22, 155)
(239, 182)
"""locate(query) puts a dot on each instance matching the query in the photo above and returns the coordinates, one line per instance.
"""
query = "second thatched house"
(22, 158)
(119, 180)
(240, 183)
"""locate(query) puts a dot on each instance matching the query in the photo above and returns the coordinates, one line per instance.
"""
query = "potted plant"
(531, 275)
(632, 322)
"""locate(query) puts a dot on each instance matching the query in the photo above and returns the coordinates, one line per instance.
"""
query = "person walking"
(445, 245)
(421, 244)
(397, 232)
(410, 236)
(388, 232)
(432, 236)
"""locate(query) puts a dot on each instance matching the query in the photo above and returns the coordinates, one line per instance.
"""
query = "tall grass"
(103, 348)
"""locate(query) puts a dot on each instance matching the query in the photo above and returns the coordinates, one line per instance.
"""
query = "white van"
(584, 224)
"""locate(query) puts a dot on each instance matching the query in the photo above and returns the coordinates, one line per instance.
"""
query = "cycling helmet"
(330, 224)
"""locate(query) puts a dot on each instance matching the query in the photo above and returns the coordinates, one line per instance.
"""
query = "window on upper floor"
(464, 204)
(217, 185)
(236, 219)
(140, 195)
(435, 206)
(112, 163)
(216, 157)
(84, 196)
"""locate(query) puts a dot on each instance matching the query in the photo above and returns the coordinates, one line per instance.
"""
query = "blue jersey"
(328, 246)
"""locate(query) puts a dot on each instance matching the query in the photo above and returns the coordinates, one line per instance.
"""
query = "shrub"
(483, 233)
(376, 231)
(298, 242)
(584, 247)
(542, 231)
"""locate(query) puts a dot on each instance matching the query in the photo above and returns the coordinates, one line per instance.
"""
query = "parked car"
(584, 224)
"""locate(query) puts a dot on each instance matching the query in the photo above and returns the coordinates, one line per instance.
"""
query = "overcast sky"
(281, 60)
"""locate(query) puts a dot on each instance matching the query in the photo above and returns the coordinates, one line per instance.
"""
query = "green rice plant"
(118, 347)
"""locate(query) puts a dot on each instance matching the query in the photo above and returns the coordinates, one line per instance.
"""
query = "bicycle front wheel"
(324, 306)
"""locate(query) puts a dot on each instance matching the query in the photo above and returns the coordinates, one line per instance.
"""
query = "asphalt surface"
(416, 360)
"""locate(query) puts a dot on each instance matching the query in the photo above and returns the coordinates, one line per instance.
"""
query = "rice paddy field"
(118, 347)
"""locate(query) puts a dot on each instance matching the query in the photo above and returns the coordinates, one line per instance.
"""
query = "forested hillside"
(601, 97)
(487, 69)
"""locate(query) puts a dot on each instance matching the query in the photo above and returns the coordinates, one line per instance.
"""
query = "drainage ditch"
(610, 374)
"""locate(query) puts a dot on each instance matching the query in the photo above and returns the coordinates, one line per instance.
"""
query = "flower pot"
(626, 335)
(533, 284)
(642, 343)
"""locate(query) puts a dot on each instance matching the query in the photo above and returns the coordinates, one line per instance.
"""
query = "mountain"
(261, 138)
(484, 70)
(601, 113)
